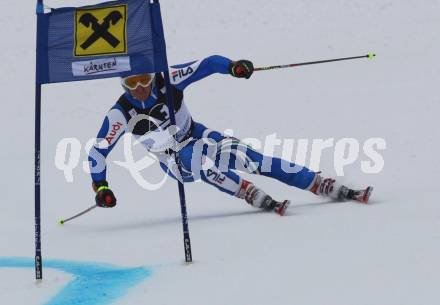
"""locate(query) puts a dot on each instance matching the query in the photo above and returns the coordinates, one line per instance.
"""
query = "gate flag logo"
(101, 31)
(109, 39)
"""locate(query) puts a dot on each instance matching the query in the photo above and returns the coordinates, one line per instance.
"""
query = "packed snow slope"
(321, 252)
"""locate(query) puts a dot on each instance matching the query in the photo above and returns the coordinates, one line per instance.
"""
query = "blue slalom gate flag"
(109, 39)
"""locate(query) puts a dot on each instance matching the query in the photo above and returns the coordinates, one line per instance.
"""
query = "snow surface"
(321, 252)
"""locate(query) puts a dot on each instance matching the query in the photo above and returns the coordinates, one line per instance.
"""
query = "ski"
(361, 196)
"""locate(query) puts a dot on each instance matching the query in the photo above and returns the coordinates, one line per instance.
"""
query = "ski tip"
(283, 207)
(61, 222)
(371, 55)
(367, 195)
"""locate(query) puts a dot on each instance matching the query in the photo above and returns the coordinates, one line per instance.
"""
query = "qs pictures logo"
(101, 31)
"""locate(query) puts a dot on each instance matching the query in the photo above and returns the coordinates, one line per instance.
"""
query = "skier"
(145, 95)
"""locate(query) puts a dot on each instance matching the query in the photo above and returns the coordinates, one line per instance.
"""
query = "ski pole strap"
(101, 188)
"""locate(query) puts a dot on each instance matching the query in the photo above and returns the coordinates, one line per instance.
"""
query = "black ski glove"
(104, 196)
(241, 69)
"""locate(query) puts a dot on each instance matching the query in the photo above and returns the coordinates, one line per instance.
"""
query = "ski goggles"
(133, 81)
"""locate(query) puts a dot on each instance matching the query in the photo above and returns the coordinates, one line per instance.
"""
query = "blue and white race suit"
(206, 154)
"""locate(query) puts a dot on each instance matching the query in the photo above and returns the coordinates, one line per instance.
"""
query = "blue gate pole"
(186, 239)
(169, 94)
(38, 256)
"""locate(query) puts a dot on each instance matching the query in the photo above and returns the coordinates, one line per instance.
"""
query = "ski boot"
(328, 187)
(258, 198)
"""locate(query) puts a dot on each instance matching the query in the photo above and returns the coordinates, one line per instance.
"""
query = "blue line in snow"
(92, 283)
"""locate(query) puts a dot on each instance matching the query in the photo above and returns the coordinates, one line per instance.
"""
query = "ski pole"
(62, 221)
(369, 56)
